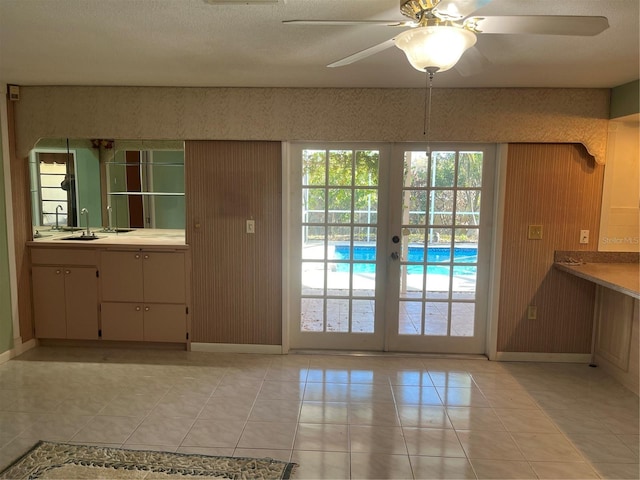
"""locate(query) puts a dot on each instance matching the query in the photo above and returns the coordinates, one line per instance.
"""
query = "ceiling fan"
(440, 31)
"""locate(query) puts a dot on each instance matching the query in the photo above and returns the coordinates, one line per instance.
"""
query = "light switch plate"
(251, 226)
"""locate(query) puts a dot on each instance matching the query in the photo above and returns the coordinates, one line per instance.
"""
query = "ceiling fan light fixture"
(438, 46)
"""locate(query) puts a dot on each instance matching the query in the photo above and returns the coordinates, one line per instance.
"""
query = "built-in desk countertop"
(621, 277)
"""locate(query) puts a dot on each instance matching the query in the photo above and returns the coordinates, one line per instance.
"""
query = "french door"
(390, 249)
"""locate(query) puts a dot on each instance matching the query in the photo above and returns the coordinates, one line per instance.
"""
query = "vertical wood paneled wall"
(22, 226)
(558, 186)
(236, 276)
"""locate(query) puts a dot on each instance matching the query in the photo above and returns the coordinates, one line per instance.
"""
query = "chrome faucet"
(109, 216)
(58, 208)
(84, 211)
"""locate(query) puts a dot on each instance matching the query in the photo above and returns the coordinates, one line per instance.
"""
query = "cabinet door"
(81, 299)
(49, 302)
(121, 276)
(165, 323)
(122, 321)
(164, 277)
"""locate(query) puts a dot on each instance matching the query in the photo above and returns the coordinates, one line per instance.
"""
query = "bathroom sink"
(82, 238)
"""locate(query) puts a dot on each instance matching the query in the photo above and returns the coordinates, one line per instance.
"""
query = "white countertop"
(136, 238)
(621, 277)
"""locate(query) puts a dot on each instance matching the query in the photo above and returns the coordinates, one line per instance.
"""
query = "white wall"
(620, 218)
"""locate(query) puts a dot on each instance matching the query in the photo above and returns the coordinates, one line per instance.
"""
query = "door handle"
(395, 255)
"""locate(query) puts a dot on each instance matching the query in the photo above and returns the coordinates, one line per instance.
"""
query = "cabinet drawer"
(64, 256)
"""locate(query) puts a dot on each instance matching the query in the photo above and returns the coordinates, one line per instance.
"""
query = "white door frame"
(289, 209)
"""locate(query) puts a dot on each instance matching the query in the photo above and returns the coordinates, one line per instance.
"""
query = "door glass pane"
(340, 167)
(410, 321)
(314, 167)
(364, 283)
(362, 313)
(464, 282)
(312, 312)
(468, 207)
(443, 165)
(436, 318)
(466, 237)
(366, 206)
(470, 169)
(339, 205)
(441, 212)
(365, 238)
(313, 274)
(337, 315)
(313, 205)
(415, 207)
(462, 319)
(367, 167)
(437, 282)
(313, 242)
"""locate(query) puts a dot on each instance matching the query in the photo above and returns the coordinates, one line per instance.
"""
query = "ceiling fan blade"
(363, 54)
(471, 62)
(541, 25)
(459, 9)
(339, 23)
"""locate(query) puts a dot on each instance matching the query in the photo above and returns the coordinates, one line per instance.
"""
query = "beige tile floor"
(336, 416)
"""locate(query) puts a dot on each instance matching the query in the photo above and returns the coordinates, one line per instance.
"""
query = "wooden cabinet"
(65, 294)
(144, 295)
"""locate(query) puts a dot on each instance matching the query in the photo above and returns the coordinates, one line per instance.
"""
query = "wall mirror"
(118, 186)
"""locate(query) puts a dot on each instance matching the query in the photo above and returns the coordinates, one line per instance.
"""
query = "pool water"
(364, 253)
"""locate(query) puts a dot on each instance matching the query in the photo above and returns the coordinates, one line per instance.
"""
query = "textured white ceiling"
(194, 43)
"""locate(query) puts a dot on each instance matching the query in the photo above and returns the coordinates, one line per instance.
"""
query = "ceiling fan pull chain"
(430, 71)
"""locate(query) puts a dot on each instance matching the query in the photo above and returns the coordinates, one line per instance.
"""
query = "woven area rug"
(48, 460)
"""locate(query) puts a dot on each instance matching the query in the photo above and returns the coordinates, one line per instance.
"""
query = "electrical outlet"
(251, 226)
(584, 236)
(532, 312)
(535, 232)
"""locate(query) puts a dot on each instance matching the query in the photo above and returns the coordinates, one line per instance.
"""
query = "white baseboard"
(236, 348)
(543, 357)
(18, 349)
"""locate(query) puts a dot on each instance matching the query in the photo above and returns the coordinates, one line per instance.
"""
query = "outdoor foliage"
(429, 194)
(340, 187)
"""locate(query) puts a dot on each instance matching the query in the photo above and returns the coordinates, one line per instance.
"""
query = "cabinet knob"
(136, 256)
(58, 272)
(146, 309)
(146, 257)
(137, 309)
(67, 272)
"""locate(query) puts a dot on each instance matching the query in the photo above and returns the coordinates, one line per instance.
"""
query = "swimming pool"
(362, 254)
